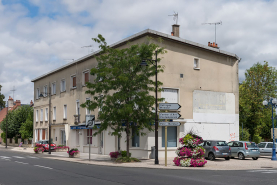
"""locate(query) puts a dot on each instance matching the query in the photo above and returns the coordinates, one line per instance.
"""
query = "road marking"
(19, 157)
(4, 157)
(20, 162)
(32, 157)
(44, 167)
(264, 171)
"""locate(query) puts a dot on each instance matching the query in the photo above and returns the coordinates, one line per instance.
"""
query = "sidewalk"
(97, 159)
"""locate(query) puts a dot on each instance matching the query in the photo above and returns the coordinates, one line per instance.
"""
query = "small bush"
(127, 159)
(124, 153)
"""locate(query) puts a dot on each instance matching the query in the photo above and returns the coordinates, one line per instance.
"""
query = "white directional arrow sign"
(169, 106)
(169, 124)
(168, 115)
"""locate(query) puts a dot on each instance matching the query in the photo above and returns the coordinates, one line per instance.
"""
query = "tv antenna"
(175, 16)
(215, 23)
(13, 91)
(87, 47)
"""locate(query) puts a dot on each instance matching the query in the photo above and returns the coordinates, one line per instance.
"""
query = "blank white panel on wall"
(170, 95)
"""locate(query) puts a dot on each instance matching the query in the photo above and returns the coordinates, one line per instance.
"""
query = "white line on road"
(32, 157)
(20, 162)
(18, 157)
(44, 167)
(4, 157)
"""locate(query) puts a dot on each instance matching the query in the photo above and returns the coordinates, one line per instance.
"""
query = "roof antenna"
(215, 23)
(87, 47)
(13, 92)
(175, 17)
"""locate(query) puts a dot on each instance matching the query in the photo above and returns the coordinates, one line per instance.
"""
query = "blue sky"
(37, 36)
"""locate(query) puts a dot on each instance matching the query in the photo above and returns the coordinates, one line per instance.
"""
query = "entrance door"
(63, 139)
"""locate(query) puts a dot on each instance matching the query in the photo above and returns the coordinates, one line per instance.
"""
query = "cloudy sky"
(37, 36)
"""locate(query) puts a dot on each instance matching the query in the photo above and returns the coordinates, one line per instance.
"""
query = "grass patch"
(126, 160)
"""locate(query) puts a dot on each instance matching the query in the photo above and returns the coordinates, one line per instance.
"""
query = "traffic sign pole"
(165, 145)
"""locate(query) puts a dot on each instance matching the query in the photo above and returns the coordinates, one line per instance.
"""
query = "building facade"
(202, 79)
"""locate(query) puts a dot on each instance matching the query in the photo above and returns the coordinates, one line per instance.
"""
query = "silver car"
(244, 149)
(216, 149)
(266, 148)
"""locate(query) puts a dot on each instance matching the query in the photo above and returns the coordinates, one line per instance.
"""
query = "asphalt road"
(25, 168)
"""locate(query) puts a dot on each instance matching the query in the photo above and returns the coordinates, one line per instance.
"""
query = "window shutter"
(43, 134)
(86, 77)
(74, 81)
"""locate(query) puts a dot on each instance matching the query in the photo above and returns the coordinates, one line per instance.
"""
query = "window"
(261, 145)
(37, 93)
(45, 90)
(36, 115)
(54, 113)
(53, 88)
(170, 95)
(64, 111)
(269, 145)
(135, 138)
(85, 77)
(78, 110)
(181, 75)
(73, 81)
(89, 136)
(46, 114)
(41, 114)
(196, 64)
(63, 85)
(171, 136)
(221, 143)
(87, 110)
(240, 144)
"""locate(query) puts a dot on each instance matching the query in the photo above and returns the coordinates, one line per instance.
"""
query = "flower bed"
(38, 150)
(74, 152)
(190, 154)
(61, 148)
(114, 155)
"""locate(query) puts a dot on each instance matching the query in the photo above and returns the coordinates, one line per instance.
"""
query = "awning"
(83, 126)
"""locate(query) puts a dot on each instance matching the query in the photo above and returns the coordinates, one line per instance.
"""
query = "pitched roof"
(3, 113)
(136, 36)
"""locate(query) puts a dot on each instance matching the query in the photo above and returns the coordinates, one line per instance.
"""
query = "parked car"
(244, 149)
(216, 149)
(266, 148)
(45, 145)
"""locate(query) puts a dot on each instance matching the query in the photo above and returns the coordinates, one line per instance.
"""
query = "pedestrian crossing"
(263, 171)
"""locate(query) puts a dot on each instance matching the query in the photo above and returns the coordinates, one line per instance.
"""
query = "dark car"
(45, 145)
(216, 149)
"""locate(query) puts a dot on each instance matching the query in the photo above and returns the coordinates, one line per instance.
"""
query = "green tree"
(2, 97)
(26, 129)
(15, 119)
(122, 88)
(259, 85)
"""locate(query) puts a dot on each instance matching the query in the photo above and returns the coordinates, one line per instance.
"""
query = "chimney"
(10, 102)
(213, 45)
(175, 30)
(17, 102)
(31, 103)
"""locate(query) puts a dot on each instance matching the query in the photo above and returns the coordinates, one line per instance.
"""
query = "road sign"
(169, 106)
(275, 133)
(168, 115)
(168, 124)
(90, 120)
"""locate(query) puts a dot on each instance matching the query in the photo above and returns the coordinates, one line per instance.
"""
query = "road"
(25, 168)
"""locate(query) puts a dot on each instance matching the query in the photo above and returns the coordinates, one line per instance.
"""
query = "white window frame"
(64, 111)
(63, 90)
(45, 90)
(196, 63)
(88, 112)
(71, 81)
(53, 89)
(77, 106)
(41, 114)
(54, 113)
(36, 115)
(83, 78)
(46, 114)
(38, 92)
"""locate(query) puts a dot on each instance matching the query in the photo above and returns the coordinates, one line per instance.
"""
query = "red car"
(45, 145)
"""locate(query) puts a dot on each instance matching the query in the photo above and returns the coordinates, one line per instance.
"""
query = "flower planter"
(61, 150)
(74, 155)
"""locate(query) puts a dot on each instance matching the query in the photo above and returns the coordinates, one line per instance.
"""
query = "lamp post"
(49, 115)
(7, 124)
(273, 103)
(144, 63)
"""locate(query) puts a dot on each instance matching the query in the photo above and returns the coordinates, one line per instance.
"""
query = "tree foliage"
(2, 97)
(15, 119)
(122, 88)
(259, 85)
(26, 129)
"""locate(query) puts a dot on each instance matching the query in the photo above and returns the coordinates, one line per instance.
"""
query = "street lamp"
(7, 124)
(49, 115)
(144, 63)
(273, 103)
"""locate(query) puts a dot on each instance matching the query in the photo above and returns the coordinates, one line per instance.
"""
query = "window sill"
(53, 94)
(72, 88)
(64, 118)
(63, 91)
(196, 68)
(41, 121)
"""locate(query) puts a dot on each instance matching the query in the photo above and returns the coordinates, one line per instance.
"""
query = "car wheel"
(227, 158)
(211, 156)
(241, 156)
(255, 158)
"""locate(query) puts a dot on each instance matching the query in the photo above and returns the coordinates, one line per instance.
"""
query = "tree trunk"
(128, 136)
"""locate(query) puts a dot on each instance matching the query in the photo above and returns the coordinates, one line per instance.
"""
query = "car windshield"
(251, 144)
(46, 142)
(221, 143)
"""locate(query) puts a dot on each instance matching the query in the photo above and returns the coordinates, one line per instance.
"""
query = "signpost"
(168, 115)
(90, 121)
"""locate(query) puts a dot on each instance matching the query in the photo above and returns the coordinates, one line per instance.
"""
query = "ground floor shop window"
(89, 136)
(135, 138)
(171, 136)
